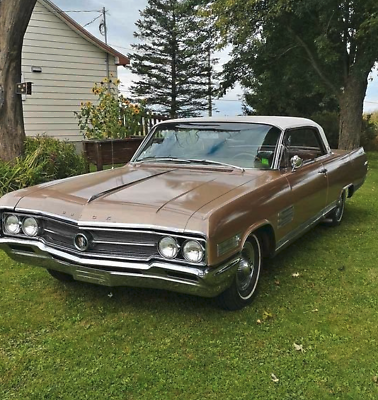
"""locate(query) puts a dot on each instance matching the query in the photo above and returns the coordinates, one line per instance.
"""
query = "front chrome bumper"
(199, 281)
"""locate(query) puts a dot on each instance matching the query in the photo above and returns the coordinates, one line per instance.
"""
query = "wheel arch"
(265, 231)
(349, 190)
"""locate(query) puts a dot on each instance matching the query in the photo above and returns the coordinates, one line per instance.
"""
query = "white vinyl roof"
(279, 122)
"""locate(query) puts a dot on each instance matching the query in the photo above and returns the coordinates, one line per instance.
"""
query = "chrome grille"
(128, 244)
(59, 233)
(141, 246)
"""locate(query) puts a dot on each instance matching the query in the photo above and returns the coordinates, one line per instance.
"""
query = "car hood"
(134, 195)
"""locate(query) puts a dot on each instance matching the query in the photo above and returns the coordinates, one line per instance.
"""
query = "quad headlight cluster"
(191, 250)
(14, 224)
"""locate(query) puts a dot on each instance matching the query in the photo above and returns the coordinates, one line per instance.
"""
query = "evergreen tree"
(206, 22)
(171, 59)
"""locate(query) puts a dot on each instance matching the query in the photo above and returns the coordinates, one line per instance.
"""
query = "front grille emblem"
(81, 242)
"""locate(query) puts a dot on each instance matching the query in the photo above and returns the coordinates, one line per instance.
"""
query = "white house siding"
(70, 66)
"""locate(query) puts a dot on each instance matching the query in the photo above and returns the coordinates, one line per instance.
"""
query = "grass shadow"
(117, 299)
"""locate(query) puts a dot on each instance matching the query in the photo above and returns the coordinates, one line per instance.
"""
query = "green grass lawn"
(77, 341)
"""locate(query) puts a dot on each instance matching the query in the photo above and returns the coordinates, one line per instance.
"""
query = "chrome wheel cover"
(245, 277)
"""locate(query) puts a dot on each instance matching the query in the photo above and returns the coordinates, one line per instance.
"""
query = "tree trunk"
(351, 109)
(14, 19)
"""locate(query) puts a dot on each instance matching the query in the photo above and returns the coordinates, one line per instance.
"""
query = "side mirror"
(296, 162)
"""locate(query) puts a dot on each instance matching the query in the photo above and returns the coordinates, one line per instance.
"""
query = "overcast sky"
(122, 15)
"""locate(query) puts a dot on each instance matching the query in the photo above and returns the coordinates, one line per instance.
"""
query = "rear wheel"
(243, 289)
(336, 215)
(60, 276)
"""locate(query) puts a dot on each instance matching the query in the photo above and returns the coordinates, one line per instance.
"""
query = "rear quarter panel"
(345, 169)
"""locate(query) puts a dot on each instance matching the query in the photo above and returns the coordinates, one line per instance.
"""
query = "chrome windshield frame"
(276, 156)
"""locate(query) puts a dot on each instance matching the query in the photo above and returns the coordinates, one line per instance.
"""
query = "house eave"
(120, 59)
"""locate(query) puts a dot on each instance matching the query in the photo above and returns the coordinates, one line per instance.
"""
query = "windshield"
(231, 144)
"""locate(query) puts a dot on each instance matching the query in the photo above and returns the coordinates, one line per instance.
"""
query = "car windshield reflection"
(240, 145)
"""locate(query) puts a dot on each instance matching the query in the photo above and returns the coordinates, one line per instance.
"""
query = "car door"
(309, 182)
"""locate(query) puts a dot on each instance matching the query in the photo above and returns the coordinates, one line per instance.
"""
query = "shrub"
(330, 123)
(369, 136)
(113, 117)
(59, 158)
(45, 159)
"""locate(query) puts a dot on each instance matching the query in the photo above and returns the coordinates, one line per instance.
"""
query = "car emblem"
(81, 242)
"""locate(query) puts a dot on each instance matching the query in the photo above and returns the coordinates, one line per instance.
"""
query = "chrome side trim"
(285, 216)
(304, 227)
(323, 157)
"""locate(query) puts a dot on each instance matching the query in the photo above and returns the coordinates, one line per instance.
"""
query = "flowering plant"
(113, 116)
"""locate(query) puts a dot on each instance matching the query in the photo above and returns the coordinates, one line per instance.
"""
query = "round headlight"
(12, 225)
(193, 251)
(30, 226)
(168, 247)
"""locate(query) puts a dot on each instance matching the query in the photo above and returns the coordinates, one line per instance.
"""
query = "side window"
(303, 142)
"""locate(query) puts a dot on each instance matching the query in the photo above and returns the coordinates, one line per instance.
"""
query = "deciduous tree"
(14, 19)
(335, 39)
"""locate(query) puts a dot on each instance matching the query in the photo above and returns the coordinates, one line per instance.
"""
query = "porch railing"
(147, 122)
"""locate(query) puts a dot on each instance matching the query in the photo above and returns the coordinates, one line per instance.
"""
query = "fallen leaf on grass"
(274, 378)
(375, 379)
(259, 321)
(295, 275)
(277, 282)
(267, 315)
(299, 347)
(110, 295)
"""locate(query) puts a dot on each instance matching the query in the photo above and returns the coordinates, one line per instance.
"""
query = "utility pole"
(105, 27)
(210, 83)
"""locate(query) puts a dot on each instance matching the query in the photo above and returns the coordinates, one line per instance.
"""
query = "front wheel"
(243, 289)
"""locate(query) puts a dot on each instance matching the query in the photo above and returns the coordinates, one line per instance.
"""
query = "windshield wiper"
(164, 159)
(211, 162)
(189, 161)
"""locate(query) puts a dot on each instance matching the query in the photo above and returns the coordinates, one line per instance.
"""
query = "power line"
(116, 45)
(93, 20)
(68, 11)
(228, 100)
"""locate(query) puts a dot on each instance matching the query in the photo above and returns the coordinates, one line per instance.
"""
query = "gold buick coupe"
(197, 209)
